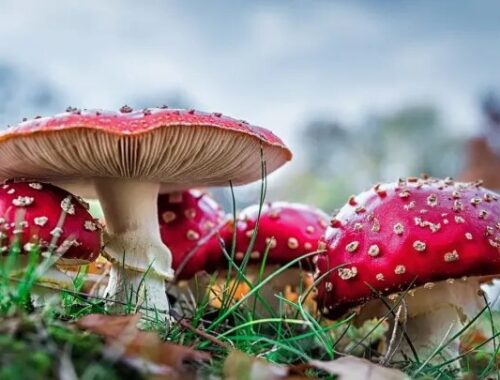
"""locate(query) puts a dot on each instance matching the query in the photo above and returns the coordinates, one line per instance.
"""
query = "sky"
(277, 64)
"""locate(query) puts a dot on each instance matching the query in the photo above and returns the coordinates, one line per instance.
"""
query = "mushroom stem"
(435, 313)
(137, 288)
(445, 307)
(133, 242)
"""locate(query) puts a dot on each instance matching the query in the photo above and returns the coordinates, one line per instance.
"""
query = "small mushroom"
(189, 225)
(125, 158)
(39, 215)
(287, 231)
(440, 249)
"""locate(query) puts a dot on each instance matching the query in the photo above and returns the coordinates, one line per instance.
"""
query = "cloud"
(274, 64)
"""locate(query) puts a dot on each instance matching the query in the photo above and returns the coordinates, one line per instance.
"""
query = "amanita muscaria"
(40, 215)
(190, 225)
(438, 236)
(287, 231)
(125, 158)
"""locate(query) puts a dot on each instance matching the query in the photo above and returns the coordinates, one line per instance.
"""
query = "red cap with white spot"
(289, 229)
(189, 225)
(422, 230)
(43, 214)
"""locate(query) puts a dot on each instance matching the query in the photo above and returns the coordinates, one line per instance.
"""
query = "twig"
(391, 312)
(391, 349)
(184, 323)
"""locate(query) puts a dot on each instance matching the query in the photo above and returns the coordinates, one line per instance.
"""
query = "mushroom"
(286, 231)
(43, 217)
(125, 158)
(438, 236)
(189, 225)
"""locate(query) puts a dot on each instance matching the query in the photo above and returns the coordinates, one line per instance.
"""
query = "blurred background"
(361, 91)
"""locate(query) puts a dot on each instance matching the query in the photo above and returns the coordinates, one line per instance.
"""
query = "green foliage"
(342, 159)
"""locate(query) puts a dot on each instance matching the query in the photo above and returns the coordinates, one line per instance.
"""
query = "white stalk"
(435, 313)
(445, 308)
(141, 262)
(132, 287)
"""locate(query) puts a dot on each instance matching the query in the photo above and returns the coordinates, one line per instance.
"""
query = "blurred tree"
(325, 143)
(342, 160)
(415, 141)
(483, 162)
(483, 151)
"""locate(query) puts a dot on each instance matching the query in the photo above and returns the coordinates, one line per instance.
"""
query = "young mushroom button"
(39, 217)
(190, 225)
(125, 158)
(287, 231)
(422, 237)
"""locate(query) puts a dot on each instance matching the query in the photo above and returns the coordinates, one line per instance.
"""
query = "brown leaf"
(240, 366)
(108, 326)
(351, 367)
(124, 339)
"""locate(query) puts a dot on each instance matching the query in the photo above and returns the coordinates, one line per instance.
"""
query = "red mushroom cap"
(422, 230)
(136, 122)
(31, 212)
(105, 144)
(189, 222)
(296, 229)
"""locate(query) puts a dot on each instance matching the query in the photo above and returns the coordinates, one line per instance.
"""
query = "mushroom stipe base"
(141, 262)
(434, 315)
(132, 237)
(132, 289)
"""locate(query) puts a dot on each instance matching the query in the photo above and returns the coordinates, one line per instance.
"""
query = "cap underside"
(176, 156)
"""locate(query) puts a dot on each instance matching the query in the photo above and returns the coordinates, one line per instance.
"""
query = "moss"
(33, 351)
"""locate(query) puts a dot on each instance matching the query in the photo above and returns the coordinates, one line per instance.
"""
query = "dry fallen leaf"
(240, 366)
(144, 350)
(353, 368)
